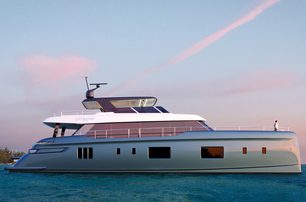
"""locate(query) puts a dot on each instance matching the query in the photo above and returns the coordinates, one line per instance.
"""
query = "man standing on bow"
(275, 125)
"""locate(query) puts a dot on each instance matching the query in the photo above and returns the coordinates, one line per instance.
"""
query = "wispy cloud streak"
(199, 46)
(219, 34)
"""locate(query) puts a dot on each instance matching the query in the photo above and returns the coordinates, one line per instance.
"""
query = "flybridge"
(124, 104)
(143, 104)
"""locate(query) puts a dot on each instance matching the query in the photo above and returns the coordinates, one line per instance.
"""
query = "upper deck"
(125, 116)
(118, 110)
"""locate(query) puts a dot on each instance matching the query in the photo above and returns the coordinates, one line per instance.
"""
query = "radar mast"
(90, 92)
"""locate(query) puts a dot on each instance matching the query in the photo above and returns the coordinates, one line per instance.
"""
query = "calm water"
(152, 187)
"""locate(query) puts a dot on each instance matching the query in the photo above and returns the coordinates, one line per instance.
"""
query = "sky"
(236, 63)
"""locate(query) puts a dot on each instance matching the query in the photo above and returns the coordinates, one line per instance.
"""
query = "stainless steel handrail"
(160, 131)
(76, 112)
(140, 132)
(262, 128)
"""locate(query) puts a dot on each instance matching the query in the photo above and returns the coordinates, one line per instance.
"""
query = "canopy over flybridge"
(124, 104)
(74, 121)
(139, 104)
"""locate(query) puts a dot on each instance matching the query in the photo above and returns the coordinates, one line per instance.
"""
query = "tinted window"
(264, 150)
(118, 151)
(159, 152)
(79, 153)
(133, 150)
(125, 110)
(212, 152)
(146, 109)
(244, 150)
(85, 153)
(162, 109)
(90, 153)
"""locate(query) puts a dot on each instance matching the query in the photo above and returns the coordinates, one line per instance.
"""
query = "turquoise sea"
(152, 187)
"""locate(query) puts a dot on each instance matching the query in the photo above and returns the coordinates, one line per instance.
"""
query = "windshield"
(143, 102)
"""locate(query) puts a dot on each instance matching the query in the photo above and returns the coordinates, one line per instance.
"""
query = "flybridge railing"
(139, 132)
(261, 128)
(76, 112)
(161, 131)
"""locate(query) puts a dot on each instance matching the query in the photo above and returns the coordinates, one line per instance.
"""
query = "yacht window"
(92, 105)
(264, 150)
(143, 129)
(84, 129)
(125, 110)
(159, 152)
(133, 151)
(146, 110)
(142, 102)
(163, 110)
(80, 153)
(85, 153)
(90, 153)
(118, 151)
(244, 150)
(212, 152)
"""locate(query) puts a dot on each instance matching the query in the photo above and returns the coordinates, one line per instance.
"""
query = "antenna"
(86, 82)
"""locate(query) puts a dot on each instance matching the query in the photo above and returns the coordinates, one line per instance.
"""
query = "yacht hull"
(243, 152)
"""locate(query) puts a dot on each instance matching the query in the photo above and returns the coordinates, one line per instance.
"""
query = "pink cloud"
(41, 69)
(197, 47)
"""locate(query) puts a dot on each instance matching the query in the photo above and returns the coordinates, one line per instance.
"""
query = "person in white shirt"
(275, 125)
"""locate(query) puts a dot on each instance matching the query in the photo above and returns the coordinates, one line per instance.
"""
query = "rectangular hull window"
(85, 153)
(90, 153)
(244, 150)
(159, 152)
(118, 151)
(212, 152)
(80, 153)
(133, 151)
(264, 150)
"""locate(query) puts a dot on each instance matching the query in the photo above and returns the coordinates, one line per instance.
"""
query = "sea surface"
(152, 187)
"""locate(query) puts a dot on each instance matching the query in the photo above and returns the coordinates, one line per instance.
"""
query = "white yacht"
(132, 134)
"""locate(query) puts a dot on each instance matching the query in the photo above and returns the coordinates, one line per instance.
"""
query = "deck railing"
(161, 131)
(76, 112)
(139, 132)
(259, 128)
